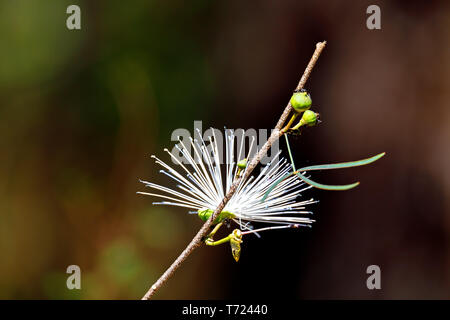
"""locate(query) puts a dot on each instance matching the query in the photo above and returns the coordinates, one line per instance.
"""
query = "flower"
(205, 185)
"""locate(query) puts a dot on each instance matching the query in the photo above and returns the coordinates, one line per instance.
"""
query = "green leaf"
(325, 167)
(275, 184)
(326, 186)
(344, 164)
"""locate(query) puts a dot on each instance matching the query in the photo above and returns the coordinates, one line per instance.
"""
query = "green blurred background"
(81, 111)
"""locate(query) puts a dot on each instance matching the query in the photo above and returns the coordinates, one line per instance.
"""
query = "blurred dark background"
(81, 111)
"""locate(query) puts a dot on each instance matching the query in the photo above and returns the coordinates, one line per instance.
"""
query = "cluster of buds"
(301, 103)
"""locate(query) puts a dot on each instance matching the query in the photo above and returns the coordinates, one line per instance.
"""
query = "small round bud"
(309, 118)
(205, 214)
(242, 164)
(301, 101)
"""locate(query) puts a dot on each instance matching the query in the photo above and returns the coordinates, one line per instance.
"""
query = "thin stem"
(216, 228)
(298, 125)
(276, 133)
(210, 242)
(286, 128)
(290, 153)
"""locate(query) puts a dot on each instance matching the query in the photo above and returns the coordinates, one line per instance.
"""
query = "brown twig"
(276, 134)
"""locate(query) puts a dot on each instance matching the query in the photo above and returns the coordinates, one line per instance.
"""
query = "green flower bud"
(205, 214)
(309, 118)
(301, 101)
(242, 164)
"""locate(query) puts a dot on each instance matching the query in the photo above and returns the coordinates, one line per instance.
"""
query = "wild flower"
(203, 186)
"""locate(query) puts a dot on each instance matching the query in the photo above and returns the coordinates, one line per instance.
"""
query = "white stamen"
(206, 185)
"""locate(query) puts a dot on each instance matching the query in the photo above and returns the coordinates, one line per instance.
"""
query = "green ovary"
(205, 214)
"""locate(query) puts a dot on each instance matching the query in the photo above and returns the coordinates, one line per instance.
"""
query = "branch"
(276, 134)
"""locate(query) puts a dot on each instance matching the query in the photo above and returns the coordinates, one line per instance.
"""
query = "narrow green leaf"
(325, 167)
(275, 184)
(344, 164)
(289, 151)
(325, 186)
